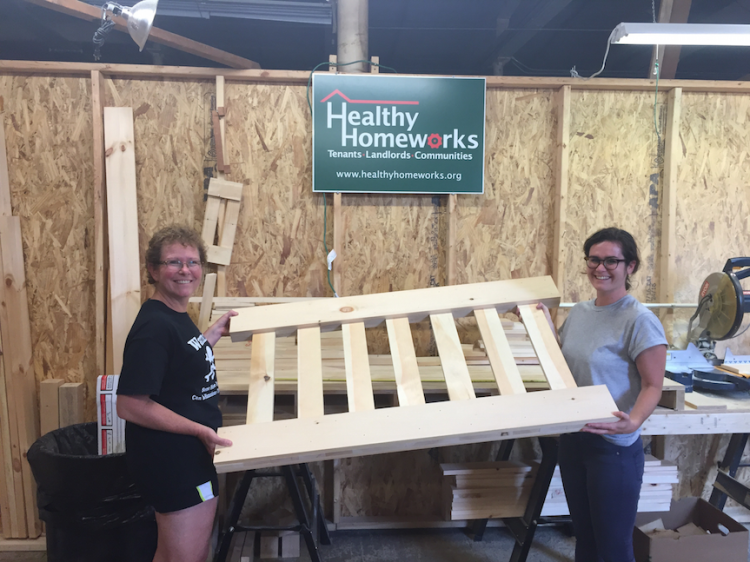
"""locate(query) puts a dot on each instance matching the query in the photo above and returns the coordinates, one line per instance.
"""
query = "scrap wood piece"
(417, 304)
(209, 286)
(436, 424)
(122, 221)
(218, 142)
(15, 328)
(231, 193)
(87, 12)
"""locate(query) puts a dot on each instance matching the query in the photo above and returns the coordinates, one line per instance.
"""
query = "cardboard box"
(691, 546)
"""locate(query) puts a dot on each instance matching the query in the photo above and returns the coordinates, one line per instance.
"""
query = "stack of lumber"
(501, 489)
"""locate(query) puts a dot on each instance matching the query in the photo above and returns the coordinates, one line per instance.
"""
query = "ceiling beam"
(87, 12)
(670, 11)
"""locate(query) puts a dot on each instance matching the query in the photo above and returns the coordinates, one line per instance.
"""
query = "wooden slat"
(451, 242)
(219, 255)
(122, 219)
(309, 373)
(87, 12)
(49, 402)
(218, 141)
(358, 381)
(546, 347)
(209, 286)
(673, 156)
(17, 354)
(260, 390)
(408, 381)
(210, 219)
(100, 225)
(415, 304)
(72, 403)
(229, 228)
(5, 203)
(455, 370)
(498, 351)
(339, 228)
(437, 424)
(225, 189)
(12, 516)
(561, 186)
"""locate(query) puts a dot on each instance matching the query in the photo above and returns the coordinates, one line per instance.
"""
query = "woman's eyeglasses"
(176, 265)
(610, 264)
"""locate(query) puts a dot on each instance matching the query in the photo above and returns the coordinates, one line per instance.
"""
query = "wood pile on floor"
(493, 490)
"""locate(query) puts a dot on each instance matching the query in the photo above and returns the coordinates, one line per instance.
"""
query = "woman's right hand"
(211, 439)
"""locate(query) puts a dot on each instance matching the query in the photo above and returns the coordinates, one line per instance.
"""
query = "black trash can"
(91, 508)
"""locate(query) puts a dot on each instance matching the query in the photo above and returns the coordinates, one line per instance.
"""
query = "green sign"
(397, 134)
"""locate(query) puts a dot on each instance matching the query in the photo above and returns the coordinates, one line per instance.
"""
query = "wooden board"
(49, 403)
(72, 398)
(546, 347)
(405, 367)
(15, 328)
(436, 424)
(122, 221)
(498, 351)
(373, 309)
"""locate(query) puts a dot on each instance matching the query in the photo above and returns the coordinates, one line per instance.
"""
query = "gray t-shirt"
(600, 345)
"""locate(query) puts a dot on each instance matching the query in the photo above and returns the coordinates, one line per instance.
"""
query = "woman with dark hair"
(169, 397)
(616, 341)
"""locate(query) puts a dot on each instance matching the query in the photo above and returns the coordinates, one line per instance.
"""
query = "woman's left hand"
(219, 328)
(623, 425)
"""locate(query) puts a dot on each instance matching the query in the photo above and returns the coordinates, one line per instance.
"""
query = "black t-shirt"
(167, 358)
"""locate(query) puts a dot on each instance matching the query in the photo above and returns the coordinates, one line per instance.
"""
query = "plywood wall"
(48, 130)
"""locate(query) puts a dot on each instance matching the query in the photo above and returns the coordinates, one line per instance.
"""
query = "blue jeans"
(602, 484)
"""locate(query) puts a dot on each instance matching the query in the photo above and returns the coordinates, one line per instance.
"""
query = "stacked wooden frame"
(415, 424)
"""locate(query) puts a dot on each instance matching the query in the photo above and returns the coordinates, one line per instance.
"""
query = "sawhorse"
(523, 528)
(725, 484)
(307, 517)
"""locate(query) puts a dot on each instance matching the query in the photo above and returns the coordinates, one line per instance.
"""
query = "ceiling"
(510, 37)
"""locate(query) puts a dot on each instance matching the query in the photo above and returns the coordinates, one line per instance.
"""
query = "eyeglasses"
(610, 264)
(176, 265)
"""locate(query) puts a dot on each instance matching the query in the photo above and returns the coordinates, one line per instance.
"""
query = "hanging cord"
(574, 72)
(325, 202)
(100, 36)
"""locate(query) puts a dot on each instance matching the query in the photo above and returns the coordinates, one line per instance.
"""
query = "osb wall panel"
(507, 232)
(47, 123)
(713, 194)
(614, 180)
(171, 121)
(278, 247)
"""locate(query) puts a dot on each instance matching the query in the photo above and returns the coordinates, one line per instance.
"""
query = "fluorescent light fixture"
(681, 34)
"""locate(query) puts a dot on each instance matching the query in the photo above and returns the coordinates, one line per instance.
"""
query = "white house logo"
(354, 125)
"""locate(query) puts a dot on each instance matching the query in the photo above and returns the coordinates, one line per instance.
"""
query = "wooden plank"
(124, 266)
(229, 228)
(100, 225)
(451, 242)
(218, 141)
(358, 381)
(260, 390)
(705, 403)
(225, 189)
(12, 516)
(437, 424)
(504, 368)
(209, 286)
(406, 370)
(415, 304)
(339, 229)
(6, 209)
(219, 255)
(210, 219)
(673, 156)
(457, 378)
(546, 347)
(561, 185)
(309, 374)
(17, 354)
(49, 404)
(72, 403)
(87, 12)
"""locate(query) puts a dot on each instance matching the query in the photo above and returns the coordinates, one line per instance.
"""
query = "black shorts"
(172, 471)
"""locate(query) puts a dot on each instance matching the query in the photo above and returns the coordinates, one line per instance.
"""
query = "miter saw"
(722, 304)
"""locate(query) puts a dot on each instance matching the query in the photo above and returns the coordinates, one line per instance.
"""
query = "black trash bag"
(88, 501)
